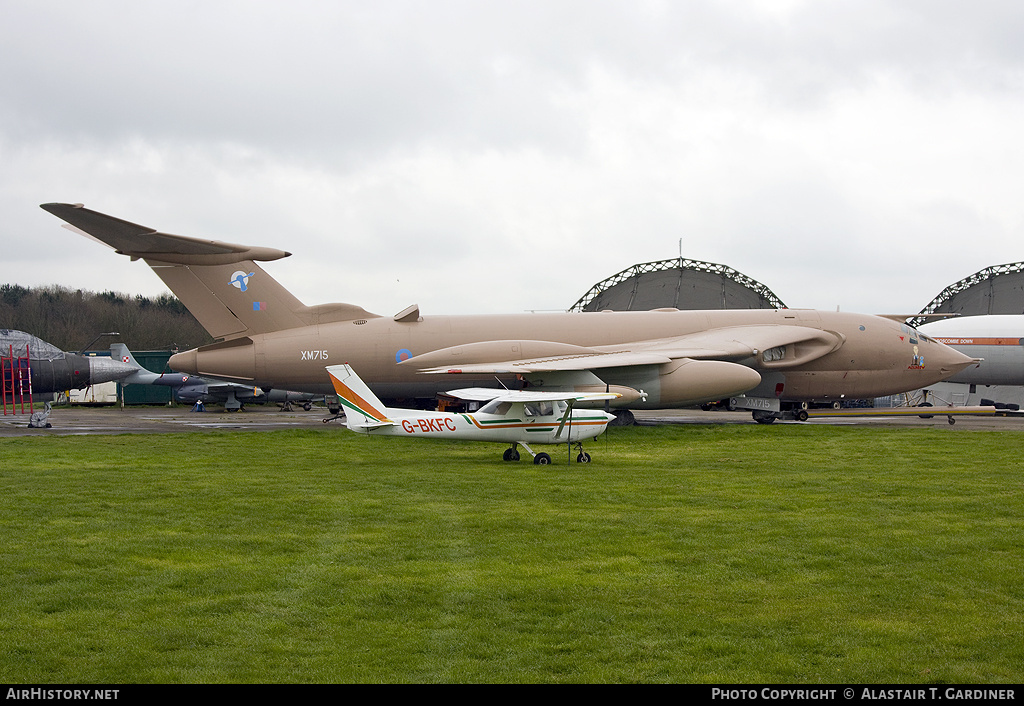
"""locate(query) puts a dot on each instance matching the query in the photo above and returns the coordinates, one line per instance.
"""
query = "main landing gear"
(541, 459)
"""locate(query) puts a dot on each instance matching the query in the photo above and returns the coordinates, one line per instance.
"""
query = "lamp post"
(109, 333)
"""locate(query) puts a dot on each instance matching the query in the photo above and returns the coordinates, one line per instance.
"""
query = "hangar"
(680, 284)
(998, 289)
(994, 290)
(692, 284)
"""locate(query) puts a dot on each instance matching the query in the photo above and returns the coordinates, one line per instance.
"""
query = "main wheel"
(542, 459)
(584, 457)
(510, 455)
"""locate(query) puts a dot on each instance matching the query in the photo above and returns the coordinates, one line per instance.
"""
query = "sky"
(498, 157)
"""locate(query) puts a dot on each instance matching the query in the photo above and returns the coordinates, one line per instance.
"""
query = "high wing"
(731, 343)
(486, 394)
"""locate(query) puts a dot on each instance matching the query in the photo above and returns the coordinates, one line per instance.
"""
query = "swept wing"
(729, 344)
(487, 394)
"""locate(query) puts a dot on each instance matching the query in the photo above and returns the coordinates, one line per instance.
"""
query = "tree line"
(72, 318)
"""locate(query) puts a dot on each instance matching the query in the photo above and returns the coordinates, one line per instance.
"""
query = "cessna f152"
(773, 362)
(510, 416)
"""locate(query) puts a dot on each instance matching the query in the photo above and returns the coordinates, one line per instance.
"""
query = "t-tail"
(219, 282)
(363, 411)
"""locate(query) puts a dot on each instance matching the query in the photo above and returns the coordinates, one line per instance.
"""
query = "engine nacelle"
(687, 381)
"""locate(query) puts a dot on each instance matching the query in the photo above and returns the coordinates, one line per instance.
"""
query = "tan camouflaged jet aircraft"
(773, 362)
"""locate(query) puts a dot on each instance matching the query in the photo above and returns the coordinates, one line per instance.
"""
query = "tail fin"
(120, 351)
(363, 411)
(220, 283)
(142, 376)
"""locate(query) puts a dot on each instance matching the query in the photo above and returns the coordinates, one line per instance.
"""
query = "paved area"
(67, 421)
(938, 421)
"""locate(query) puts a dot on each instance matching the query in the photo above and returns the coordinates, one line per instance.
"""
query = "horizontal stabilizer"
(373, 425)
(139, 241)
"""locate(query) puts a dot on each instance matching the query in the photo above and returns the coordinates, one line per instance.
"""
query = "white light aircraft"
(513, 416)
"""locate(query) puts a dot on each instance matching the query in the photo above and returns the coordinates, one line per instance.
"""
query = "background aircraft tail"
(219, 282)
(363, 411)
(142, 376)
(120, 351)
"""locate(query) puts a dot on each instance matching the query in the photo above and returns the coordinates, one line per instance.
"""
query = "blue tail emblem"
(241, 280)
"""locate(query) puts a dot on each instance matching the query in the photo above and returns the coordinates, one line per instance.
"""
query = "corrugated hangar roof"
(677, 283)
(994, 290)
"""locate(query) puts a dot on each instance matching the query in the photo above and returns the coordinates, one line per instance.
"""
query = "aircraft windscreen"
(495, 407)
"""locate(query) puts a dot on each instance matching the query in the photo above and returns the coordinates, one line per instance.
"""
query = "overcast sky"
(494, 157)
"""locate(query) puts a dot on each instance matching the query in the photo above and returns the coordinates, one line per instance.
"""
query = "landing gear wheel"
(510, 455)
(926, 416)
(542, 459)
(764, 417)
(584, 457)
(801, 415)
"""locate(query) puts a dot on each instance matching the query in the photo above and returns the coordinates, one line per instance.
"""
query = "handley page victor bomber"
(770, 361)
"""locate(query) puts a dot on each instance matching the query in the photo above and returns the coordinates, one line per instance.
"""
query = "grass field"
(733, 553)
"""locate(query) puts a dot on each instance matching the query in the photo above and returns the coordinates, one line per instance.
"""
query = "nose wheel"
(581, 455)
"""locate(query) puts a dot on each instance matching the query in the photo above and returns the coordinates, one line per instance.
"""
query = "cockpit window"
(496, 407)
(539, 409)
(911, 332)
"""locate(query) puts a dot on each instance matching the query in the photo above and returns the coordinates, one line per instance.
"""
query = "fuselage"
(996, 339)
(874, 356)
(537, 424)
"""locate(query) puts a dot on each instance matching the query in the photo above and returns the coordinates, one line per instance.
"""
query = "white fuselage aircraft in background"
(995, 341)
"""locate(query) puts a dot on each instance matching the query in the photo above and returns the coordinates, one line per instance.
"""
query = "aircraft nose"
(951, 361)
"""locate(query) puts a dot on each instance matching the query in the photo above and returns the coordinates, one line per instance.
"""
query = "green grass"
(733, 553)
